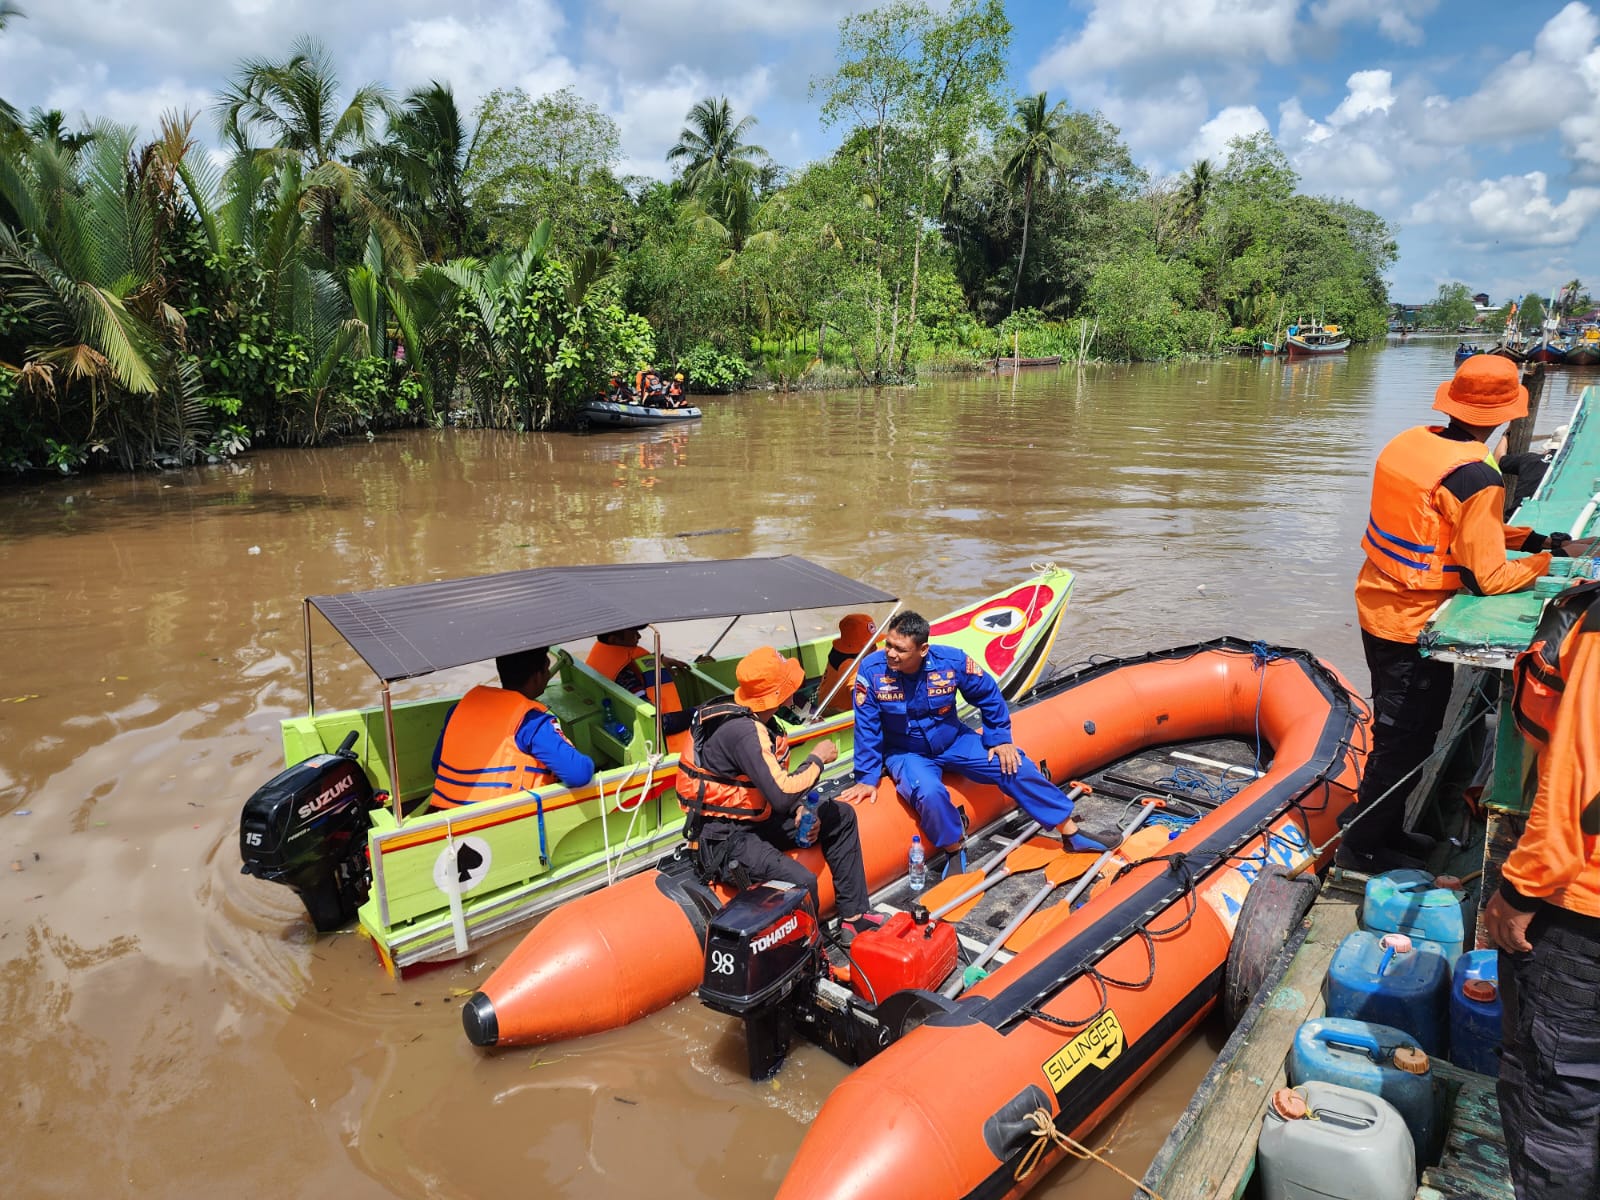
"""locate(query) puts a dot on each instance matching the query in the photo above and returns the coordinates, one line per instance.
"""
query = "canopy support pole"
(311, 687)
(661, 743)
(396, 795)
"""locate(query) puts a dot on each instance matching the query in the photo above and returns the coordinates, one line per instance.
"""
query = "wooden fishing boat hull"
(1584, 355)
(634, 416)
(532, 852)
(1071, 1025)
(1554, 355)
(1296, 348)
(611, 958)
(1053, 360)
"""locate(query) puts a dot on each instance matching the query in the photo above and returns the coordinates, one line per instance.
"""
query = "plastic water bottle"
(805, 824)
(917, 865)
(613, 726)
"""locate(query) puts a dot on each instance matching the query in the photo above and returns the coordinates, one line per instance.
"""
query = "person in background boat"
(501, 740)
(838, 679)
(742, 799)
(675, 397)
(620, 658)
(648, 386)
(1530, 466)
(1545, 919)
(1436, 526)
(906, 723)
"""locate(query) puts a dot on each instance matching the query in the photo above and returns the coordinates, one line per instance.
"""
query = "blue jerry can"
(1387, 980)
(1408, 902)
(1475, 1012)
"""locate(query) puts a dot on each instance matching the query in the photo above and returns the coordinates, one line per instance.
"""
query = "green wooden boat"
(429, 886)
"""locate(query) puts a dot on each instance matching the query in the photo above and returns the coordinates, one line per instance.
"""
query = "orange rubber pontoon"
(611, 957)
(1071, 1025)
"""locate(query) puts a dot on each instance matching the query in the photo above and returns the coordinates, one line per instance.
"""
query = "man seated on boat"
(675, 397)
(619, 657)
(906, 723)
(1436, 527)
(501, 740)
(743, 801)
(838, 679)
(648, 386)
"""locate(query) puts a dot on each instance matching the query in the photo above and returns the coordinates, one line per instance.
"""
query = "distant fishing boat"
(1309, 339)
(1465, 350)
(1584, 350)
(1549, 352)
(1052, 360)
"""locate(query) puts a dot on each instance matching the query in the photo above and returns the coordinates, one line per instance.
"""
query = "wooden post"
(1016, 350)
(1521, 431)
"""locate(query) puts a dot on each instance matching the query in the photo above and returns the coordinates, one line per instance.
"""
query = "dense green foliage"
(363, 260)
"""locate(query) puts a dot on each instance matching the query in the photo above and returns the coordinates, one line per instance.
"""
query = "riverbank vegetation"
(311, 258)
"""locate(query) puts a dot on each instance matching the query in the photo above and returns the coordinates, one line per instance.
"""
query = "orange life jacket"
(479, 758)
(611, 661)
(841, 700)
(706, 795)
(1407, 538)
(1539, 677)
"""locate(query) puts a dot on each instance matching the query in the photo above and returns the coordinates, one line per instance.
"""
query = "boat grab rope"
(613, 862)
(1179, 865)
(1045, 1134)
(1028, 613)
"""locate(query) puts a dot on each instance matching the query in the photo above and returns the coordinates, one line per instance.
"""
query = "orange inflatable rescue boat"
(1252, 750)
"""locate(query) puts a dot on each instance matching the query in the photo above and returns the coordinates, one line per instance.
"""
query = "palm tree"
(1038, 150)
(296, 102)
(422, 162)
(1196, 196)
(713, 146)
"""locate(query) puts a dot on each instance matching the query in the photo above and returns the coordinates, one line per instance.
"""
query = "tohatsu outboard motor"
(306, 828)
(765, 964)
(763, 948)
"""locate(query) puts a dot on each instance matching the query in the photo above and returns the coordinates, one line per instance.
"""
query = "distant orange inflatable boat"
(1068, 1026)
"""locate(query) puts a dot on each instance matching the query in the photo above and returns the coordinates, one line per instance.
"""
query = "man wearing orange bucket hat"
(744, 803)
(855, 635)
(1435, 528)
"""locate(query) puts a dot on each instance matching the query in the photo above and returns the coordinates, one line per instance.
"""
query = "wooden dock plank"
(1216, 1155)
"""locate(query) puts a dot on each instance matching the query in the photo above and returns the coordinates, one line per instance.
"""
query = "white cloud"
(1397, 20)
(1211, 141)
(1370, 92)
(1514, 210)
(1554, 87)
(476, 53)
(1118, 34)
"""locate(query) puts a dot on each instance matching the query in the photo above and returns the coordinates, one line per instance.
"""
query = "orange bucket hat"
(1484, 391)
(855, 631)
(766, 679)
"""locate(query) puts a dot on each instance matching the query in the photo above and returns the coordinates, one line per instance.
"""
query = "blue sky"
(1473, 126)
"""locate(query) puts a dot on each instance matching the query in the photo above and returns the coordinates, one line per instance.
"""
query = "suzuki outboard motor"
(762, 948)
(306, 828)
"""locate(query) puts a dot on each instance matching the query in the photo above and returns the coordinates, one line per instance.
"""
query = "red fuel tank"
(901, 954)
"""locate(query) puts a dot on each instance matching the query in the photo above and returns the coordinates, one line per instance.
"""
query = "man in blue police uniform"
(906, 723)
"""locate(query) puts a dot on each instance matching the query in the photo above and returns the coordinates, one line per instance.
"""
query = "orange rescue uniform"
(479, 758)
(1557, 859)
(708, 795)
(1423, 542)
(614, 661)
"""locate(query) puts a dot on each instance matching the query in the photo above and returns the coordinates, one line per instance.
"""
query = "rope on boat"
(1046, 1135)
(652, 758)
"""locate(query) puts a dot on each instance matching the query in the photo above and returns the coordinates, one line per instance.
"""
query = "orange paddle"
(1138, 845)
(958, 895)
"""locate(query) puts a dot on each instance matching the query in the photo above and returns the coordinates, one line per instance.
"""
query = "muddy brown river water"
(173, 1029)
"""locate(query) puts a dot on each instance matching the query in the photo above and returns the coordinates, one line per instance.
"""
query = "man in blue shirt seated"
(906, 722)
(501, 740)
